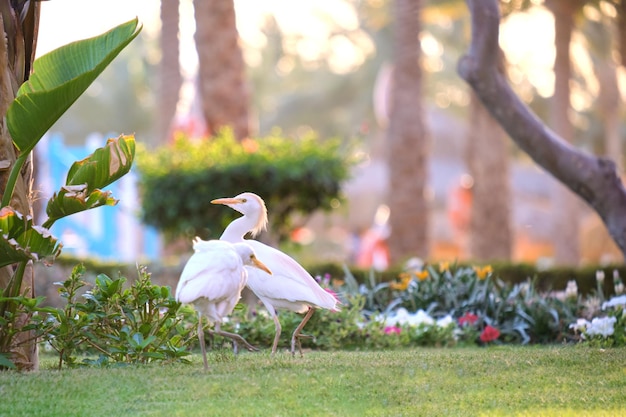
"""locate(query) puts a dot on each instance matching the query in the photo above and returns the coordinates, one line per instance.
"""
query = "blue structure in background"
(108, 233)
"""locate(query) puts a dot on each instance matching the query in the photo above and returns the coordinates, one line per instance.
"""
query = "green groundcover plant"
(117, 322)
(139, 324)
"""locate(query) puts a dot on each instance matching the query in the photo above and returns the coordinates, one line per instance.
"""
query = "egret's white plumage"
(291, 287)
(212, 281)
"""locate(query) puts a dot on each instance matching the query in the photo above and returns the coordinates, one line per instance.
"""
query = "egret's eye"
(244, 200)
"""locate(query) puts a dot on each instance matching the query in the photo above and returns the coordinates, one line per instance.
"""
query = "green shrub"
(292, 175)
(139, 324)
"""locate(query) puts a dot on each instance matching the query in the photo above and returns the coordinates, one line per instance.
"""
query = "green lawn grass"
(496, 381)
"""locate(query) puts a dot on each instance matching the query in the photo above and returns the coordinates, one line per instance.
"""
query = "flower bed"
(445, 305)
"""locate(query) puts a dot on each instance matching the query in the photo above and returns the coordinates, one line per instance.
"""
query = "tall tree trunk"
(223, 88)
(621, 31)
(610, 110)
(408, 140)
(490, 235)
(20, 23)
(170, 78)
(566, 211)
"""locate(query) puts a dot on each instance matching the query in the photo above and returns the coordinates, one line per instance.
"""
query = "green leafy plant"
(59, 78)
(293, 175)
(138, 324)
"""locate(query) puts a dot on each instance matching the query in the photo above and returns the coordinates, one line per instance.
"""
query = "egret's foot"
(237, 339)
(296, 338)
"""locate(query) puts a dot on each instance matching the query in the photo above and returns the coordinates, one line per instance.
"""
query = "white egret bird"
(212, 281)
(291, 286)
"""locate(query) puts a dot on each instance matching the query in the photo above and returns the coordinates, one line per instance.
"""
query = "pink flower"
(489, 334)
(392, 330)
(468, 318)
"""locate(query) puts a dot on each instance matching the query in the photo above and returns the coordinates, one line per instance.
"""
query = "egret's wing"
(213, 274)
(289, 280)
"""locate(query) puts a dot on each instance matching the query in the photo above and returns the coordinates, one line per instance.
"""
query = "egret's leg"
(202, 345)
(296, 334)
(277, 336)
(234, 337)
(270, 308)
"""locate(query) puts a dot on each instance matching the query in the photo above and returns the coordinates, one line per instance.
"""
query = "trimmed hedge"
(293, 176)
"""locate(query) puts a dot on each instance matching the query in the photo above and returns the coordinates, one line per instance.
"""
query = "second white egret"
(212, 281)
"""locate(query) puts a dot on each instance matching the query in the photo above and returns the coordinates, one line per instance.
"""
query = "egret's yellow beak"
(260, 265)
(227, 201)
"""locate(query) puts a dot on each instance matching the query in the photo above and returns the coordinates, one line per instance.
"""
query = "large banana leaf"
(20, 240)
(59, 78)
(82, 189)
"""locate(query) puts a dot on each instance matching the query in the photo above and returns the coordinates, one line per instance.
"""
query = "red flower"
(489, 334)
(468, 318)
(392, 329)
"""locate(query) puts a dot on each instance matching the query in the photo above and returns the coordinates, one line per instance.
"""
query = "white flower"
(402, 317)
(600, 276)
(619, 288)
(601, 326)
(580, 325)
(615, 302)
(571, 291)
(421, 317)
(445, 321)
(414, 264)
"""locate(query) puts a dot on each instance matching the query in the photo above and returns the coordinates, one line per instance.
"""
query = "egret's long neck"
(238, 228)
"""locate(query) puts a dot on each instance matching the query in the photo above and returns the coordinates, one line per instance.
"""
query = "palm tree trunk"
(490, 234)
(170, 78)
(566, 204)
(223, 87)
(408, 141)
(621, 28)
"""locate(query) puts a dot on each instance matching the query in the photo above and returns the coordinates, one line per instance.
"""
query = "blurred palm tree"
(408, 138)
(602, 45)
(567, 204)
(170, 78)
(488, 161)
(222, 83)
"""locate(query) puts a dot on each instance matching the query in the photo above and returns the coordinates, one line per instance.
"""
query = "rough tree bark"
(223, 87)
(408, 140)
(594, 179)
(19, 21)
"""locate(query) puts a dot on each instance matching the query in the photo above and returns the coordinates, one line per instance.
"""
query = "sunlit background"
(323, 65)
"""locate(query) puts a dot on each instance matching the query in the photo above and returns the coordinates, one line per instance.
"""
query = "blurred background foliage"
(330, 77)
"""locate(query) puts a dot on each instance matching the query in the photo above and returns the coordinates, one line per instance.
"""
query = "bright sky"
(527, 38)
(64, 21)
